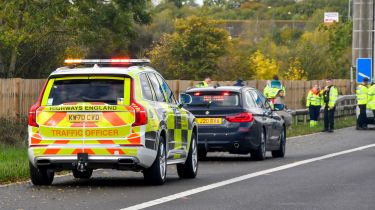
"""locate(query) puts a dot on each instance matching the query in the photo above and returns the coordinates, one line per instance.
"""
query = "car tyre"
(189, 169)
(260, 153)
(280, 153)
(40, 176)
(82, 174)
(157, 172)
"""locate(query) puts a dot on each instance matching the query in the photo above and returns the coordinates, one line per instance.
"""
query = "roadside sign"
(331, 17)
(364, 69)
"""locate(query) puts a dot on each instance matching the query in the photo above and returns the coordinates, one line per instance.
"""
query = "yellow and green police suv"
(115, 114)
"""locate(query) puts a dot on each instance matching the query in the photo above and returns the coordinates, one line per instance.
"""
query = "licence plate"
(84, 117)
(209, 121)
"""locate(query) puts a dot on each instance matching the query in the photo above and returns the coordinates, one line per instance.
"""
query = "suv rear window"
(86, 90)
(215, 99)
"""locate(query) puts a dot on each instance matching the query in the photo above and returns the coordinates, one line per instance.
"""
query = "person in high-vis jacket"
(205, 83)
(314, 102)
(362, 97)
(371, 98)
(273, 87)
(329, 94)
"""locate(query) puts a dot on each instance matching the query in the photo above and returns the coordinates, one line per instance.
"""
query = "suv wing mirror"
(185, 99)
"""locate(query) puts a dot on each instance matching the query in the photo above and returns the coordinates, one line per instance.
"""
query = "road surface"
(320, 171)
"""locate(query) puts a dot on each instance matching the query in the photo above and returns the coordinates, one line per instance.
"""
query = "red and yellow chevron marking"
(113, 128)
(40, 151)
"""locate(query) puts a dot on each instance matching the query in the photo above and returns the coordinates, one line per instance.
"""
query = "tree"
(263, 67)
(295, 71)
(29, 29)
(192, 50)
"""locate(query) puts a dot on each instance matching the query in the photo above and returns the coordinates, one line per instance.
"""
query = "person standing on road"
(314, 103)
(329, 94)
(205, 83)
(371, 98)
(362, 97)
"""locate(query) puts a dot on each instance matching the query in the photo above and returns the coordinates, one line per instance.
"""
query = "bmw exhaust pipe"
(236, 145)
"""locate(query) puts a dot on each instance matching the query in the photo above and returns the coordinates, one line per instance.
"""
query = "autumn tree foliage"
(264, 68)
(192, 51)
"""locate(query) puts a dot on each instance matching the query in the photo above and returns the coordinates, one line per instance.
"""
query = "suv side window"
(157, 88)
(249, 100)
(266, 103)
(257, 99)
(167, 90)
(146, 88)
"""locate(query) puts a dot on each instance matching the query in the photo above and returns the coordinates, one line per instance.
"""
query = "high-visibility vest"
(270, 91)
(202, 84)
(361, 94)
(371, 97)
(313, 99)
(330, 96)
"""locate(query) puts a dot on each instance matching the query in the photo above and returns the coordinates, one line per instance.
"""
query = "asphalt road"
(315, 174)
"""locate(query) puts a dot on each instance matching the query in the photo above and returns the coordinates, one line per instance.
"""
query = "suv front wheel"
(189, 169)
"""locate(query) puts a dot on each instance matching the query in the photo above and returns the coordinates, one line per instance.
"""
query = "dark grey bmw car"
(238, 120)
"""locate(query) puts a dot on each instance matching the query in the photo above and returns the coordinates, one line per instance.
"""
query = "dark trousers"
(362, 118)
(314, 112)
(329, 118)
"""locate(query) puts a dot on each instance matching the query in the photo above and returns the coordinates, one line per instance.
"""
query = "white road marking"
(240, 178)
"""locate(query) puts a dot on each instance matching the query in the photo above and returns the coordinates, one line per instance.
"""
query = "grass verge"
(14, 162)
(304, 129)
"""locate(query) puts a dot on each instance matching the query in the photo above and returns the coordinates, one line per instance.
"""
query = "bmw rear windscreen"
(215, 99)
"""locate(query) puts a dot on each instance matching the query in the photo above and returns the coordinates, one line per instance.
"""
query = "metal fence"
(346, 106)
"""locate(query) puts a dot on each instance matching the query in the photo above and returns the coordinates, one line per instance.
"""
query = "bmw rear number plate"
(209, 121)
(84, 117)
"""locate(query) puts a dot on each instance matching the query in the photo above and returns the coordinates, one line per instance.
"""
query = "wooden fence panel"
(17, 95)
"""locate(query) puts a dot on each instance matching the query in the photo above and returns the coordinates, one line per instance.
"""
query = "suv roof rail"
(116, 62)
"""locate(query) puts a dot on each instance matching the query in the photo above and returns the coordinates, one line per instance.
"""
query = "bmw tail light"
(240, 118)
(140, 114)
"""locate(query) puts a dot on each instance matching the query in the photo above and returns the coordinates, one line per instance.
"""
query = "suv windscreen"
(86, 90)
(215, 99)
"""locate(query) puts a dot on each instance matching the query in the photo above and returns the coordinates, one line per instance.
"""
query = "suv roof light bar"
(116, 61)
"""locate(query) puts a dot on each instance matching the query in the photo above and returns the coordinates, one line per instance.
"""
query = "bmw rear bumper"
(235, 142)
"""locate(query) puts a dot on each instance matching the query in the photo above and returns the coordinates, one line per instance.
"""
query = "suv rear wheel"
(189, 169)
(41, 176)
(157, 173)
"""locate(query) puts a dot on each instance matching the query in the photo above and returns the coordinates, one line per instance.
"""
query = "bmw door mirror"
(278, 107)
(185, 99)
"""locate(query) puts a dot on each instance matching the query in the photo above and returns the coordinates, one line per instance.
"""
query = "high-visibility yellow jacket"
(202, 84)
(271, 90)
(330, 96)
(361, 94)
(314, 99)
(371, 97)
